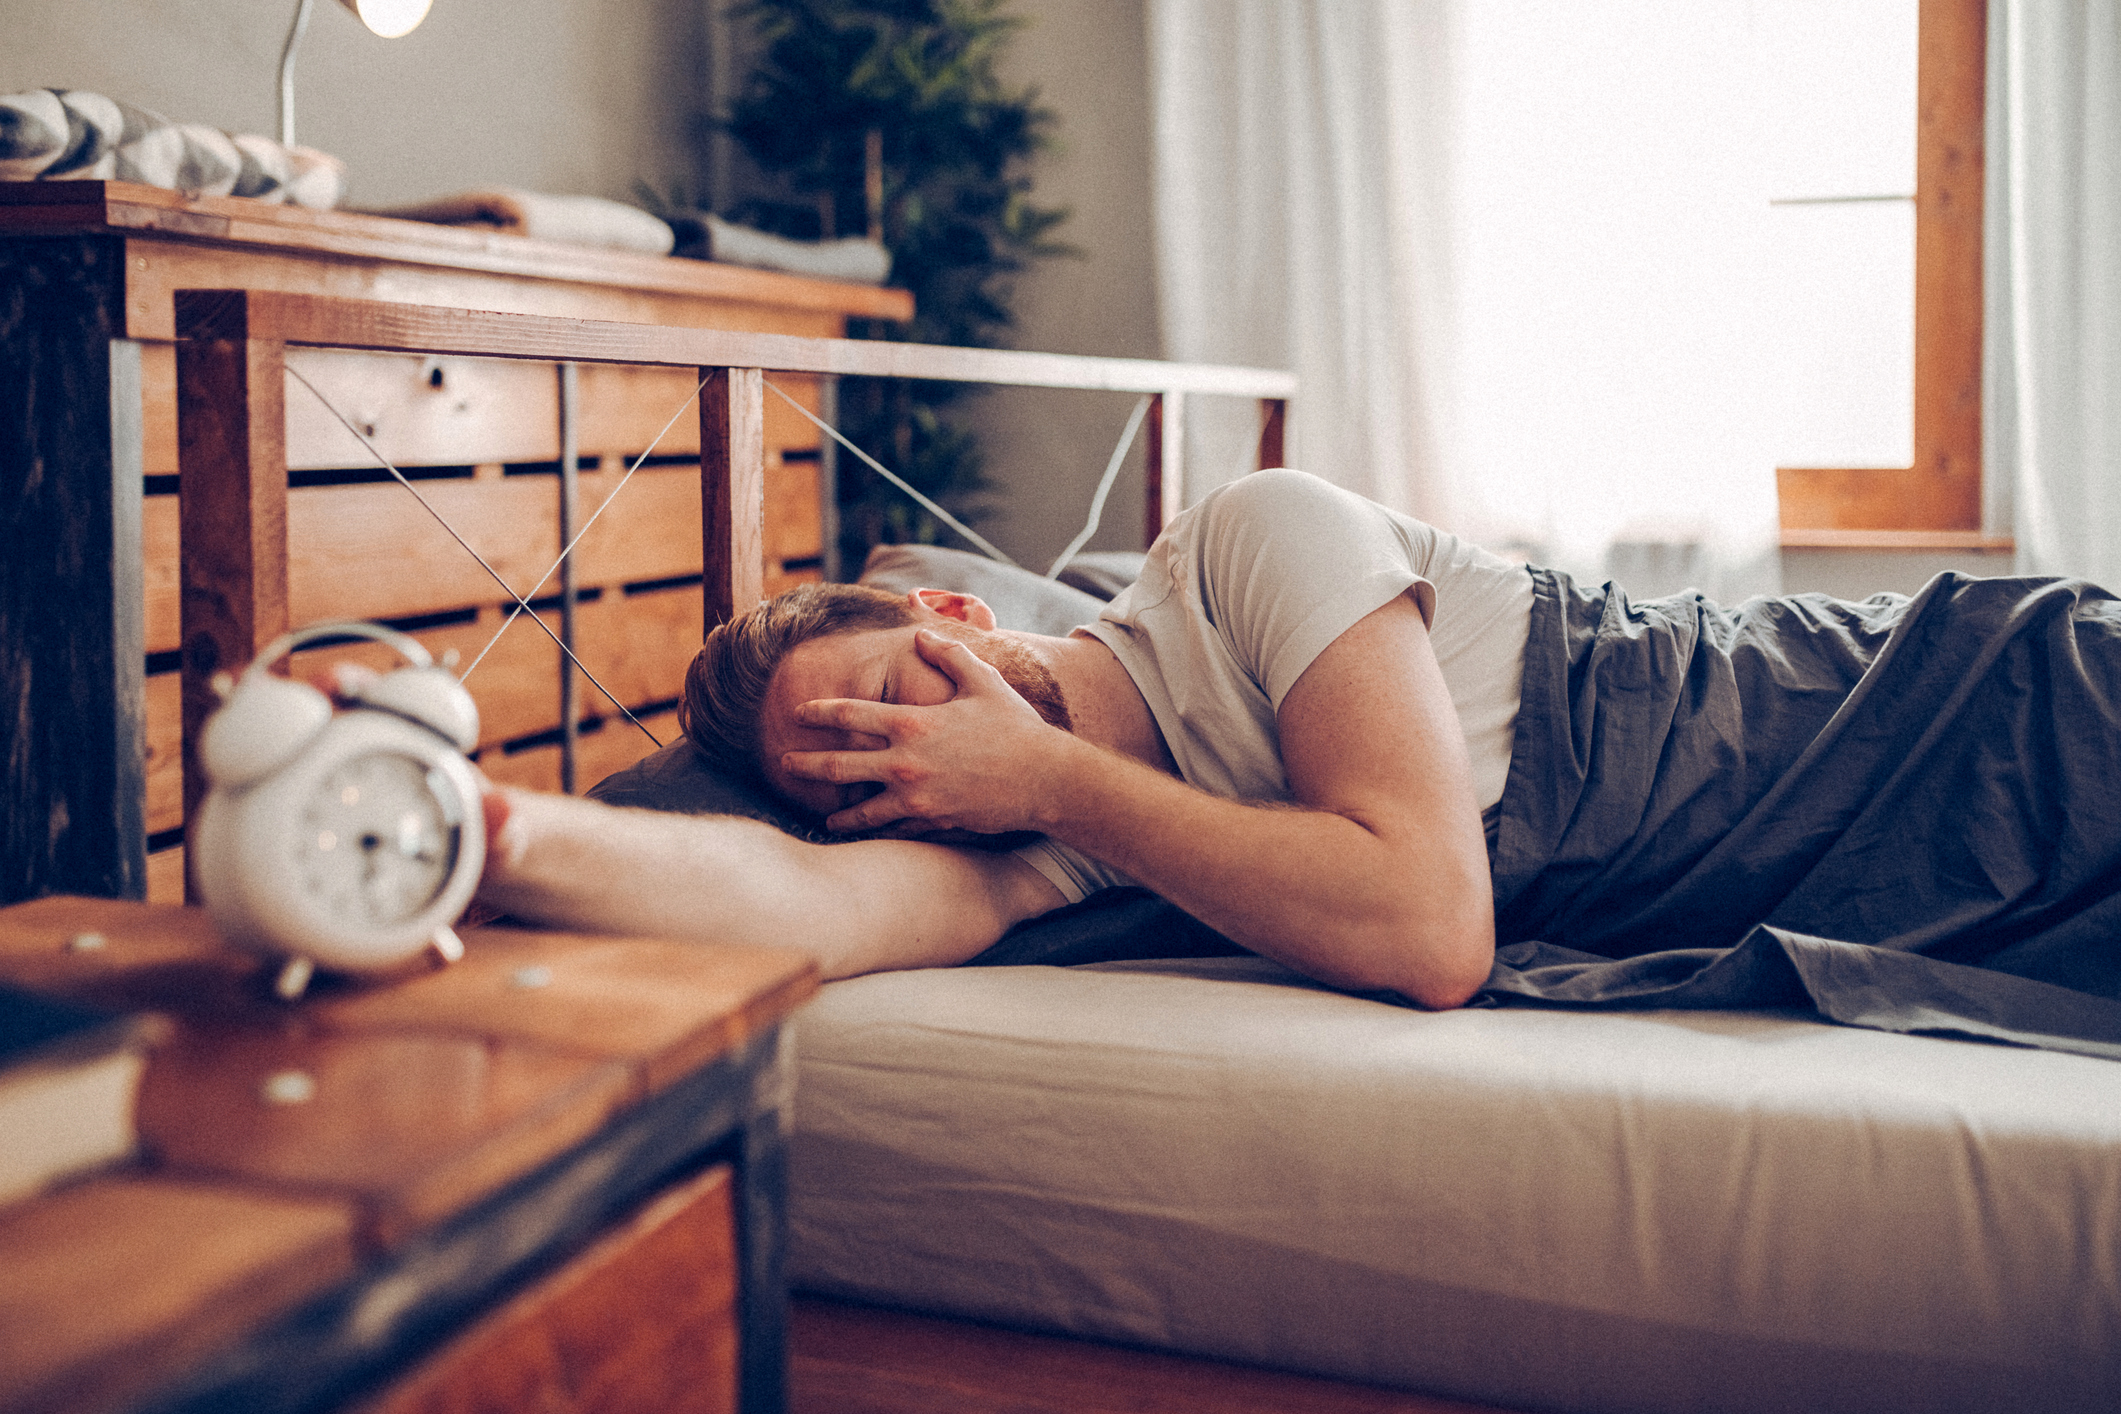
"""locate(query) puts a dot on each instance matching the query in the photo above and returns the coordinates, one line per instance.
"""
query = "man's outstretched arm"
(864, 906)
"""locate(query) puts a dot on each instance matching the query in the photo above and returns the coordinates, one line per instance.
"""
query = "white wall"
(594, 97)
(1045, 450)
(545, 94)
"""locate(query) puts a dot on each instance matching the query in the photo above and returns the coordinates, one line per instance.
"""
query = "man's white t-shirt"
(1243, 591)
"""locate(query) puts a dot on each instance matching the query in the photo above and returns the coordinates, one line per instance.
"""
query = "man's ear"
(965, 608)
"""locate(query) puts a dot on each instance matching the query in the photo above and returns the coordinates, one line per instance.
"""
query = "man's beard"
(1023, 671)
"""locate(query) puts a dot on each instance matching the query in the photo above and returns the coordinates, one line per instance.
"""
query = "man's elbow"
(1442, 967)
(1450, 984)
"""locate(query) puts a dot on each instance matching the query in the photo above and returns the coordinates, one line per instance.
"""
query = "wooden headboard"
(687, 544)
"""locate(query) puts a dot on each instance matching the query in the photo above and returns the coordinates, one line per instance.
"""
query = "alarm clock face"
(377, 842)
(353, 853)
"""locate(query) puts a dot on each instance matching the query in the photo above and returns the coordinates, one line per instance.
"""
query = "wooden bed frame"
(235, 587)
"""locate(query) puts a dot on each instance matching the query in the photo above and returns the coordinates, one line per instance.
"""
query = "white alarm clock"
(348, 839)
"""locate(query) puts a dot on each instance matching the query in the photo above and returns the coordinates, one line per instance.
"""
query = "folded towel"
(852, 259)
(33, 133)
(54, 134)
(575, 220)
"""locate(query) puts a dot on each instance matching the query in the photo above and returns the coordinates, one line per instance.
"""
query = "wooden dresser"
(88, 480)
(546, 1178)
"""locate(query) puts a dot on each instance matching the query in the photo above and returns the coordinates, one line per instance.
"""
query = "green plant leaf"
(959, 217)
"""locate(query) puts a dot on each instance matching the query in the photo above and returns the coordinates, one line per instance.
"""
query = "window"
(1840, 244)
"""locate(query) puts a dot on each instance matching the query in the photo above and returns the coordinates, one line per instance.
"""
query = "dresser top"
(129, 209)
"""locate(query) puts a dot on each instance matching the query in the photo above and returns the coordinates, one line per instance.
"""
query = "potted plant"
(889, 118)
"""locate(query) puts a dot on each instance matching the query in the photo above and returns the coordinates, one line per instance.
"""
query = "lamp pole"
(287, 72)
(391, 19)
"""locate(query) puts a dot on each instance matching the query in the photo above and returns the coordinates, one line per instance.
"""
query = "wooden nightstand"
(548, 1177)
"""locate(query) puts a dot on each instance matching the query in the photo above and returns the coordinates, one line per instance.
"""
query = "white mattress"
(1548, 1210)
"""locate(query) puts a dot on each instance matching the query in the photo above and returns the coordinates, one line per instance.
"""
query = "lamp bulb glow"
(390, 18)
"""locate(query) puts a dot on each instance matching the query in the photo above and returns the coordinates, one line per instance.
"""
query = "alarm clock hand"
(414, 841)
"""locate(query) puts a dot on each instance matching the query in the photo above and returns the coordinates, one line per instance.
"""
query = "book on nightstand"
(68, 1078)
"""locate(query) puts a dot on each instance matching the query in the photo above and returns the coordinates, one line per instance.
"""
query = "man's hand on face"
(971, 763)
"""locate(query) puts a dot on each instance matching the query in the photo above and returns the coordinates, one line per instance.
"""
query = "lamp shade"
(390, 18)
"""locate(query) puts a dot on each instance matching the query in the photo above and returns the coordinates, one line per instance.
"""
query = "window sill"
(1793, 539)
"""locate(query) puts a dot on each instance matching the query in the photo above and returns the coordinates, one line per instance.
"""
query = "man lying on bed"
(1353, 743)
(1337, 686)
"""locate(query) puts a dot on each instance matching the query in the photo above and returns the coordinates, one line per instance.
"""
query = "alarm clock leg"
(448, 947)
(294, 979)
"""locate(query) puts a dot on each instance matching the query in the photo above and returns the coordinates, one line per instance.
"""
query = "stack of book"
(68, 1078)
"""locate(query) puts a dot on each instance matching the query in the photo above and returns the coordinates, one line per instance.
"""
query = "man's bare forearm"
(858, 907)
(1331, 896)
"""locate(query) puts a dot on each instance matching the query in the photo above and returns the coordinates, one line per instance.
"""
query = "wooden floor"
(849, 1359)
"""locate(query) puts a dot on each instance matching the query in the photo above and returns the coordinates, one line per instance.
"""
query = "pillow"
(680, 778)
(1020, 599)
(1104, 573)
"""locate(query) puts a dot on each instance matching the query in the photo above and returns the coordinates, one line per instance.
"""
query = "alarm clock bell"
(348, 839)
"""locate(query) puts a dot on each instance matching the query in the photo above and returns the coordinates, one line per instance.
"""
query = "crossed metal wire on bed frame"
(560, 640)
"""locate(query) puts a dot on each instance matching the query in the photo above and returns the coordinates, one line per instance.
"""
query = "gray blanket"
(1903, 813)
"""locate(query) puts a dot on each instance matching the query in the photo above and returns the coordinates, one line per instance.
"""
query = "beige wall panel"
(638, 645)
(785, 427)
(1045, 448)
(158, 409)
(420, 411)
(793, 527)
(158, 554)
(625, 407)
(374, 552)
(165, 759)
(652, 531)
(486, 410)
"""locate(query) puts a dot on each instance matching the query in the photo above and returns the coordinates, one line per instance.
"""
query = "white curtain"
(2053, 257)
(1295, 201)
(1511, 248)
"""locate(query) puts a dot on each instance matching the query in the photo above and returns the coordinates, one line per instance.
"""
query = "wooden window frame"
(1935, 504)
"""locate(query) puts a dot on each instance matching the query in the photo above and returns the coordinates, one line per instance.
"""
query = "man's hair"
(725, 688)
